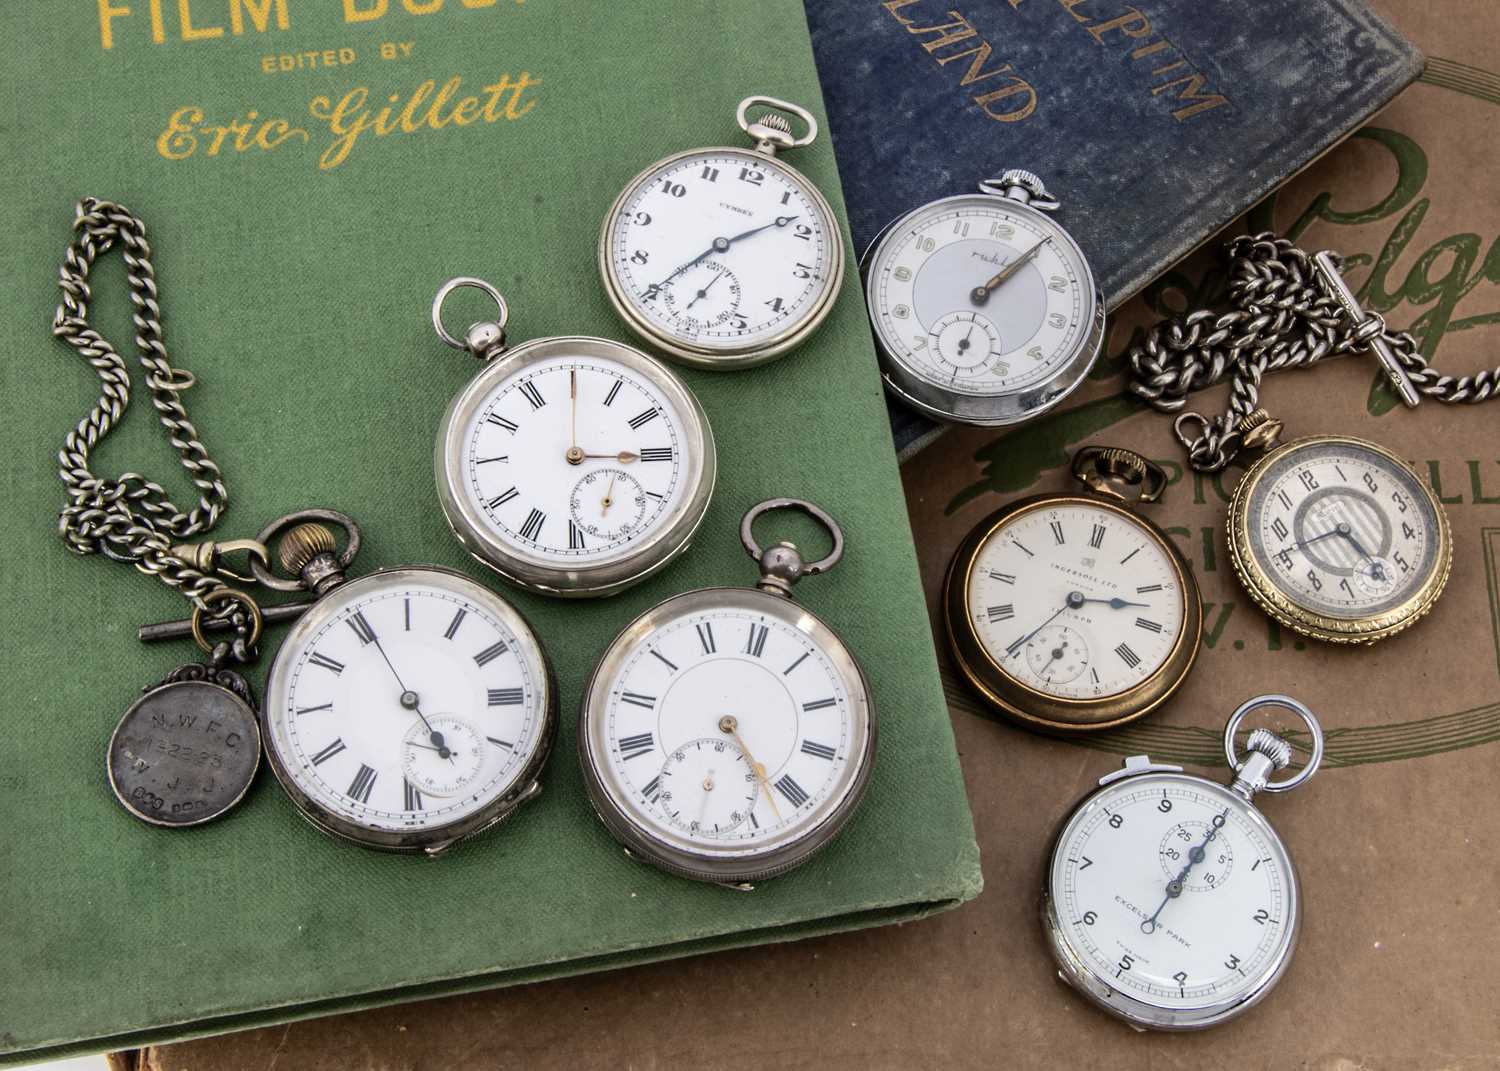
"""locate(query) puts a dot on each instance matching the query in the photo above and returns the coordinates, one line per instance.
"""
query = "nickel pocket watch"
(407, 708)
(571, 466)
(1333, 536)
(985, 310)
(725, 257)
(1170, 901)
(1073, 613)
(727, 733)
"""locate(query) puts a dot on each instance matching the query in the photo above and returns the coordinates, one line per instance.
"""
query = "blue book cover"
(1155, 123)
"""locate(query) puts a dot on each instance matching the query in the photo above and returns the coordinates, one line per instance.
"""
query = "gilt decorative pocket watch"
(1073, 613)
(728, 733)
(1333, 536)
(984, 309)
(725, 257)
(571, 466)
(1170, 901)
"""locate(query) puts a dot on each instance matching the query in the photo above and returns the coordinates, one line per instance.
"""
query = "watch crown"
(776, 122)
(1272, 747)
(1258, 431)
(302, 544)
(1023, 186)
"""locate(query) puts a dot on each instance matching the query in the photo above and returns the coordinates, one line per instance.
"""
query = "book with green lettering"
(310, 171)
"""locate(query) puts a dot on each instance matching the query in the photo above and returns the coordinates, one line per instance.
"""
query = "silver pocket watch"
(572, 466)
(727, 733)
(984, 309)
(1170, 901)
(725, 257)
(406, 709)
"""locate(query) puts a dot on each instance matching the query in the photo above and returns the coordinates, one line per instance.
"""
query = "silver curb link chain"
(129, 518)
(1282, 317)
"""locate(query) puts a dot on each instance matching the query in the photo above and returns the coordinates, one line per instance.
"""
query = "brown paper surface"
(1397, 840)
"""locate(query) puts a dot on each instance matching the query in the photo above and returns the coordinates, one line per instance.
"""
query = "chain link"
(1282, 317)
(129, 518)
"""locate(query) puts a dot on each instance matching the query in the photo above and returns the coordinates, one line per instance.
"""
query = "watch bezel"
(431, 840)
(1036, 710)
(984, 410)
(1274, 601)
(591, 579)
(708, 866)
(723, 358)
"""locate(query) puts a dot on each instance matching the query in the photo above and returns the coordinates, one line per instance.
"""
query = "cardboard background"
(1396, 840)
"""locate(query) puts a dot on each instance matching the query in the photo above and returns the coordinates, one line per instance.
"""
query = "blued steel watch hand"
(1196, 855)
(719, 245)
(980, 294)
(411, 701)
(1115, 603)
(704, 292)
(1072, 601)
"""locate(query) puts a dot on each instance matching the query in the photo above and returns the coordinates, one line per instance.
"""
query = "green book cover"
(310, 171)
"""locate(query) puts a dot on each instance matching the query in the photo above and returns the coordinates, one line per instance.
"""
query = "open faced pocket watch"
(1170, 901)
(1333, 536)
(571, 466)
(725, 257)
(407, 708)
(728, 733)
(1337, 538)
(984, 309)
(1073, 613)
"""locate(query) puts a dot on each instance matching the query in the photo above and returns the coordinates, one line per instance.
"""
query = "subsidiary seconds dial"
(724, 257)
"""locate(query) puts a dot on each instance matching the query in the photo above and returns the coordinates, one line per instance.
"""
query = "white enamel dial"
(1173, 891)
(406, 701)
(575, 460)
(722, 251)
(730, 726)
(1075, 600)
(1342, 530)
(979, 296)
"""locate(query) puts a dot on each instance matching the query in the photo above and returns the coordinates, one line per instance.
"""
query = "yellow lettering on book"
(1131, 24)
(260, 15)
(1193, 83)
(192, 33)
(1020, 110)
(107, 14)
(418, 8)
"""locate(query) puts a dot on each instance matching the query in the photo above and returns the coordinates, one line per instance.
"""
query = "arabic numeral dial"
(1178, 906)
(976, 296)
(722, 250)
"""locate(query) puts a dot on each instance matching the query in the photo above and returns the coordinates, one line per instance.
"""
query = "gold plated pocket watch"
(1072, 613)
(1335, 537)
(725, 258)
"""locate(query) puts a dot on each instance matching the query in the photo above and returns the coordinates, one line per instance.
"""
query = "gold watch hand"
(624, 457)
(730, 725)
(573, 409)
(608, 500)
(981, 294)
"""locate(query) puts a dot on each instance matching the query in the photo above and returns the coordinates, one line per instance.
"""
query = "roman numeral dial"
(1074, 600)
(573, 460)
(727, 723)
(389, 702)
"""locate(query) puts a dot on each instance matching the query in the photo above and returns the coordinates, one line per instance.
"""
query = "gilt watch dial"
(1172, 891)
(722, 251)
(1342, 529)
(726, 725)
(979, 295)
(1075, 600)
(406, 701)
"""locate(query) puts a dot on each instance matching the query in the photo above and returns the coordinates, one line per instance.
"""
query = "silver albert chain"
(1291, 309)
(187, 750)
